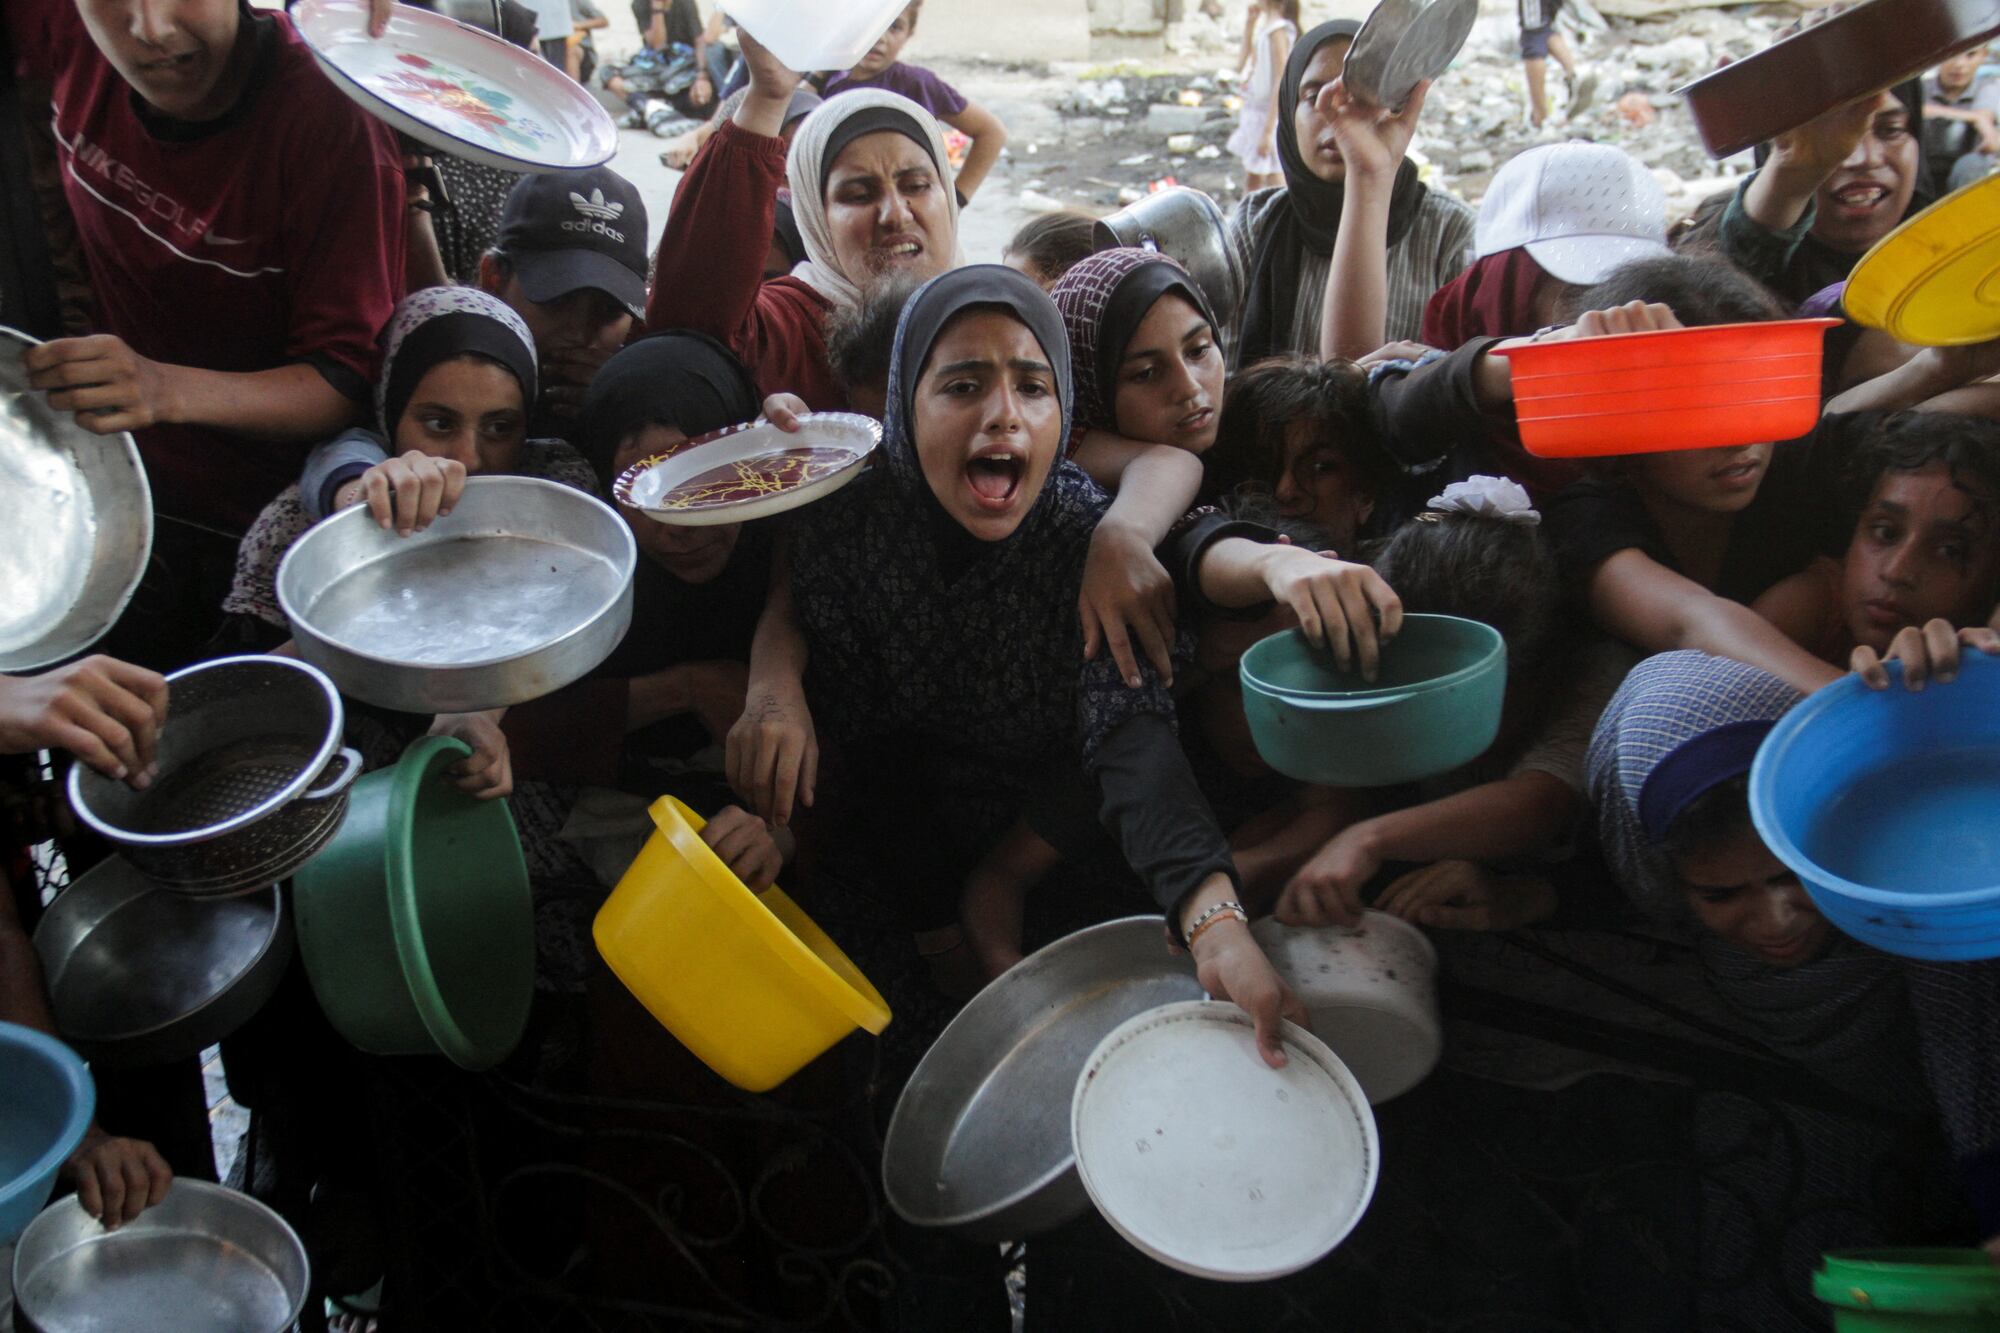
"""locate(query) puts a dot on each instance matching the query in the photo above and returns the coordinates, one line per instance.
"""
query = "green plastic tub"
(1910, 1291)
(1433, 706)
(416, 924)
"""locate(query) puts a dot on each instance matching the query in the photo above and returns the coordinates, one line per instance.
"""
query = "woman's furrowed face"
(692, 555)
(467, 409)
(1714, 481)
(987, 422)
(1740, 891)
(1170, 378)
(1866, 197)
(888, 210)
(1923, 549)
(1315, 132)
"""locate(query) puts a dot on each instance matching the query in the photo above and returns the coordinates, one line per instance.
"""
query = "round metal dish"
(750, 471)
(1371, 991)
(1214, 1163)
(1404, 42)
(139, 975)
(252, 778)
(521, 589)
(78, 515)
(1859, 51)
(205, 1257)
(1187, 226)
(458, 88)
(980, 1141)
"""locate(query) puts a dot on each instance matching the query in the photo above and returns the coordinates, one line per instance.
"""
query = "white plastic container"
(813, 35)
(1372, 994)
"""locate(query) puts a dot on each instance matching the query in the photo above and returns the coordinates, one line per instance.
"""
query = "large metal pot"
(980, 1140)
(252, 778)
(78, 518)
(521, 589)
(140, 975)
(1859, 51)
(1186, 225)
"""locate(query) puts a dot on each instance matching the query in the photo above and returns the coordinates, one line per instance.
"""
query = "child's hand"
(117, 1179)
(1372, 139)
(783, 410)
(1403, 350)
(1464, 895)
(1632, 317)
(488, 772)
(1326, 891)
(1928, 653)
(1337, 604)
(772, 755)
(408, 492)
(1127, 595)
(745, 845)
(106, 712)
(1230, 966)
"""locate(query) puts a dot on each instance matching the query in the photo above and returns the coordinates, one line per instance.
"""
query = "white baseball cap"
(1581, 209)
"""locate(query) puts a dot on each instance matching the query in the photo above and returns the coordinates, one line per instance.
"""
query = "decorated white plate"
(751, 471)
(1212, 1162)
(458, 89)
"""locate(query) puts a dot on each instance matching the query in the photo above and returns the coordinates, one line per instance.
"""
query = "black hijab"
(1309, 217)
(685, 380)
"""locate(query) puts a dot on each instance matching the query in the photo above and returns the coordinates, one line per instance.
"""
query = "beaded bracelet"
(1217, 912)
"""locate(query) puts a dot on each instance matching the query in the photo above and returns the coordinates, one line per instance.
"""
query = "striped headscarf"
(1103, 300)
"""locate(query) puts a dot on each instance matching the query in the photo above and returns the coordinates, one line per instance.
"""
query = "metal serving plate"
(980, 1141)
(140, 975)
(521, 589)
(750, 471)
(1404, 42)
(205, 1258)
(78, 517)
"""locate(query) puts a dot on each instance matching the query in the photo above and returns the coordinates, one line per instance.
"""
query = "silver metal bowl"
(980, 1141)
(1404, 42)
(521, 589)
(140, 975)
(78, 515)
(204, 1258)
(1186, 225)
(252, 778)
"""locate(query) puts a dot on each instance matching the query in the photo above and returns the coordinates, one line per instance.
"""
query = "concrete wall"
(1005, 29)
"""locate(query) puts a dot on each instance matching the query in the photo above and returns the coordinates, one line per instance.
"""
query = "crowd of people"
(1005, 658)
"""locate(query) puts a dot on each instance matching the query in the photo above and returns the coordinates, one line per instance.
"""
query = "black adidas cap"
(567, 230)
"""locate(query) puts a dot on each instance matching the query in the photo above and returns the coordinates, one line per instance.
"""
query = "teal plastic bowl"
(415, 924)
(1434, 705)
(44, 1112)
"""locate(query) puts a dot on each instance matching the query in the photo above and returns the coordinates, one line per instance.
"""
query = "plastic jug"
(813, 35)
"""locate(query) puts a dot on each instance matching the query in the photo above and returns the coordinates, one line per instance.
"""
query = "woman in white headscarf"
(871, 191)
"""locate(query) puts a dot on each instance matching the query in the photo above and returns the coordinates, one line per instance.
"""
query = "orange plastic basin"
(1637, 393)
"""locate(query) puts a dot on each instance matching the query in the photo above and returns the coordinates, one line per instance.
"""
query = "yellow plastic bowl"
(1935, 280)
(745, 980)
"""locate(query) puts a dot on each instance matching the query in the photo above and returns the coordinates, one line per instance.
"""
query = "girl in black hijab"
(936, 595)
(1284, 237)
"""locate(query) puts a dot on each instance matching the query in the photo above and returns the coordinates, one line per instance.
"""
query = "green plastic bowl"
(1434, 705)
(416, 924)
(1910, 1291)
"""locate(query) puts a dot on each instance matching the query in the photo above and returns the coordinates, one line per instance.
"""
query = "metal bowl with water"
(524, 587)
(78, 515)
(203, 1258)
(980, 1141)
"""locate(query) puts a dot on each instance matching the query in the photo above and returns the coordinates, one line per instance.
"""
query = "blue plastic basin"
(45, 1107)
(1887, 805)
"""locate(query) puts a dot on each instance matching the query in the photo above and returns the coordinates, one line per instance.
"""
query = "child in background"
(1050, 245)
(1961, 138)
(882, 68)
(1539, 41)
(1926, 545)
(1256, 138)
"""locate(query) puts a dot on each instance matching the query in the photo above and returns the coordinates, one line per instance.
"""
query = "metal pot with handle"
(1187, 226)
(252, 778)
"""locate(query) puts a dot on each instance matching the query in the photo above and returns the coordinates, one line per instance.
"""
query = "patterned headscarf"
(1103, 300)
(815, 146)
(1666, 704)
(438, 323)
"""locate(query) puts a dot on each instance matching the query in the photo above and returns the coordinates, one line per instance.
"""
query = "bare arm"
(1931, 372)
(988, 136)
(773, 750)
(1127, 594)
(1651, 607)
(1801, 606)
(1519, 815)
(1354, 312)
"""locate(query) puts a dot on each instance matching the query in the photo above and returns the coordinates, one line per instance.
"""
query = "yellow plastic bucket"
(745, 980)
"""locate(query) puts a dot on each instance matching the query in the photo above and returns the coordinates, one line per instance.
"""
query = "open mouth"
(900, 250)
(994, 477)
(1861, 195)
(1737, 474)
